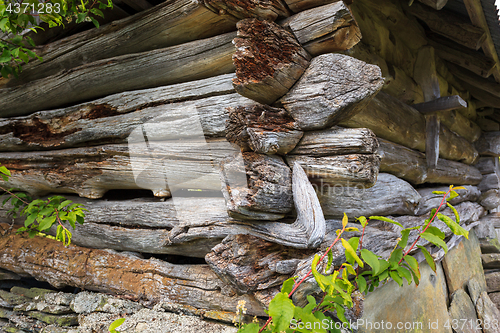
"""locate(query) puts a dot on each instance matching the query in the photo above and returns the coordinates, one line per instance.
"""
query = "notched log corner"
(265, 9)
(335, 87)
(256, 186)
(268, 60)
(263, 129)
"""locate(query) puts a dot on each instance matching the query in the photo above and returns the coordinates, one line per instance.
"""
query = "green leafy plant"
(40, 214)
(17, 16)
(115, 324)
(354, 275)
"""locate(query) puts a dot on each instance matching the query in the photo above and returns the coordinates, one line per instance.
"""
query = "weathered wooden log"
(449, 25)
(395, 121)
(446, 103)
(487, 125)
(488, 165)
(337, 141)
(412, 167)
(268, 60)
(268, 10)
(170, 23)
(342, 95)
(329, 28)
(91, 171)
(490, 199)
(430, 200)
(105, 271)
(471, 78)
(262, 129)
(389, 195)
(301, 5)
(256, 186)
(490, 181)
(484, 98)
(186, 62)
(436, 4)
(341, 170)
(112, 119)
(489, 144)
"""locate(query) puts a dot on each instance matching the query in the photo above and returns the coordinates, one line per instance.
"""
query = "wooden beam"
(436, 4)
(447, 103)
(489, 144)
(476, 62)
(267, 10)
(476, 14)
(449, 25)
(301, 5)
(483, 97)
(138, 5)
(488, 86)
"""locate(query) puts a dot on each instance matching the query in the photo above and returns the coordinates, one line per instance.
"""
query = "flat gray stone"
(488, 313)
(87, 302)
(490, 245)
(31, 292)
(492, 281)
(475, 286)
(462, 308)
(491, 260)
(59, 298)
(495, 298)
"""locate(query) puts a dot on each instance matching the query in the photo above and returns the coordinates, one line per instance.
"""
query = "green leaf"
(6, 70)
(308, 319)
(413, 264)
(395, 276)
(330, 260)
(64, 204)
(24, 57)
(30, 40)
(31, 53)
(95, 22)
(311, 305)
(29, 220)
(32, 233)
(46, 223)
(3, 23)
(371, 259)
(363, 221)
(403, 272)
(114, 325)
(281, 309)
(249, 328)
(435, 240)
(396, 257)
(288, 285)
(80, 17)
(435, 231)
(405, 233)
(453, 195)
(385, 219)
(361, 282)
(5, 57)
(5, 171)
(344, 221)
(350, 253)
(439, 192)
(79, 219)
(428, 257)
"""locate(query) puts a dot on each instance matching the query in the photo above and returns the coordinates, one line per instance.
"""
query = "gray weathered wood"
(389, 195)
(471, 78)
(430, 200)
(449, 25)
(447, 103)
(342, 95)
(488, 165)
(186, 62)
(395, 121)
(92, 171)
(106, 271)
(432, 126)
(411, 165)
(460, 124)
(436, 4)
(113, 118)
(170, 23)
(341, 170)
(267, 10)
(337, 141)
(268, 60)
(138, 5)
(329, 28)
(490, 199)
(490, 181)
(256, 186)
(489, 144)
(301, 5)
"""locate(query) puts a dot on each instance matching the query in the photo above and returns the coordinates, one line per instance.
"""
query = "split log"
(487, 125)
(488, 165)
(471, 78)
(190, 61)
(320, 99)
(489, 144)
(267, 10)
(170, 23)
(91, 171)
(442, 104)
(430, 200)
(474, 61)
(490, 181)
(325, 29)
(337, 141)
(395, 121)
(256, 186)
(263, 129)
(105, 271)
(412, 167)
(341, 170)
(490, 199)
(112, 119)
(484, 98)
(389, 196)
(301, 5)
(449, 25)
(268, 60)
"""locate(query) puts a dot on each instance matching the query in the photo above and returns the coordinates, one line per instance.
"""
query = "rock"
(59, 320)
(6, 275)
(490, 245)
(54, 329)
(32, 292)
(488, 313)
(44, 307)
(408, 304)
(95, 322)
(490, 199)
(495, 298)
(463, 263)
(491, 260)
(492, 281)
(59, 298)
(87, 302)
(462, 308)
(475, 287)
(9, 300)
